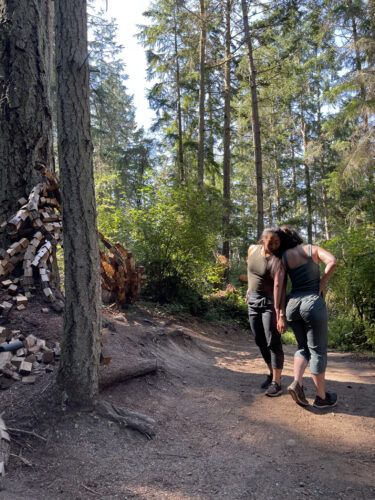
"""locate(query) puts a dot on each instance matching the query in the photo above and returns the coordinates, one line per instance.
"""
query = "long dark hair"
(291, 237)
(275, 259)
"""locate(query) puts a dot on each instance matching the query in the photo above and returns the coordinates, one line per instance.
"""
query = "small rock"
(58, 306)
(28, 380)
(29, 341)
(291, 443)
(48, 357)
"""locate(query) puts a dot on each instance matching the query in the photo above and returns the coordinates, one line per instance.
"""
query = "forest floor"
(217, 435)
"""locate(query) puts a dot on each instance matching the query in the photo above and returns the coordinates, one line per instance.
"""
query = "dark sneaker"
(267, 382)
(274, 390)
(327, 402)
(297, 393)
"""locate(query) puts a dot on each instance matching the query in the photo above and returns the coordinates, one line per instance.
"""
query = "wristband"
(282, 315)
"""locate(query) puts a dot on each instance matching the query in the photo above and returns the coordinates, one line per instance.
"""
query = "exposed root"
(127, 418)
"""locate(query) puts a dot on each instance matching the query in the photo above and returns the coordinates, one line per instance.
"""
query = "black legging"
(263, 324)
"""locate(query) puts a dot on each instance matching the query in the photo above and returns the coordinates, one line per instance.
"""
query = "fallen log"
(126, 418)
(110, 376)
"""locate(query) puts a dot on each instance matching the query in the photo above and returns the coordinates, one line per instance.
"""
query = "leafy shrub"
(231, 308)
(351, 297)
(173, 234)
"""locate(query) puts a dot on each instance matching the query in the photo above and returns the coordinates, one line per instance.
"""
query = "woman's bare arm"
(249, 252)
(331, 263)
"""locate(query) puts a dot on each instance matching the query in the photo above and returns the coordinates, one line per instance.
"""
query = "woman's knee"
(303, 352)
(318, 362)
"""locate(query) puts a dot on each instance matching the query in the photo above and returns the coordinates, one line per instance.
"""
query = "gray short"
(307, 315)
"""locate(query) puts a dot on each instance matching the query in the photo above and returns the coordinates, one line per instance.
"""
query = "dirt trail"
(217, 435)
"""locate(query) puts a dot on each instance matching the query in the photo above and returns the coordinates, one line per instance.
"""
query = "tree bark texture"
(180, 157)
(227, 135)
(25, 102)
(254, 121)
(79, 365)
(202, 91)
(307, 178)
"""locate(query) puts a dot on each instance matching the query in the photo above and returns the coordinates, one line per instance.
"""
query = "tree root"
(126, 418)
(109, 378)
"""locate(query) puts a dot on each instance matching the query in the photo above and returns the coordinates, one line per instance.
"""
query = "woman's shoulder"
(251, 249)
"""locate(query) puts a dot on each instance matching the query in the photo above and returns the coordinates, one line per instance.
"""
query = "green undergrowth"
(288, 338)
(210, 308)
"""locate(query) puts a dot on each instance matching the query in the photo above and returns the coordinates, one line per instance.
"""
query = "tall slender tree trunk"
(269, 198)
(180, 154)
(202, 90)
(294, 177)
(25, 101)
(307, 177)
(358, 65)
(78, 369)
(227, 134)
(322, 167)
(277, 191)
(211, 140)
(254, 121)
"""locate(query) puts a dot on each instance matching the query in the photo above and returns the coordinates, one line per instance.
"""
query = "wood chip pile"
(23, 357)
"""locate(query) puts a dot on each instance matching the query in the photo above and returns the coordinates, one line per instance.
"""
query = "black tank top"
(306, 277)
(259, 273)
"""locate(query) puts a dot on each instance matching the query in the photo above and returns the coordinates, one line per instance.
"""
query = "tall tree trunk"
(180, 154)
(25, 101)
(294, 177)
(307, 177)
(277, 192)
(254, 121)
(322, 166)
(269, 198)
(227, 135)
(358, 65)
(78, 370)
(202, 90)
(211, 140)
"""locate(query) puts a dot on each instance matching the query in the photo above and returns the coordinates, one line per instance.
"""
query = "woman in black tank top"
(261, 264)
(306, 313)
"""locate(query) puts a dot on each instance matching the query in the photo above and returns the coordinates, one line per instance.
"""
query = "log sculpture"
(120, 276)
(37, 231)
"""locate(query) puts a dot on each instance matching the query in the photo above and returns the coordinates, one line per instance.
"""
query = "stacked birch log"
(37, 229)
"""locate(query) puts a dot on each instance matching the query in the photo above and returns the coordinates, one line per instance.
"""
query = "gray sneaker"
(273, 390)
(297, 393)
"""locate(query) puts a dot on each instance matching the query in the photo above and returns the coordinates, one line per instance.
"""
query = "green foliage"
(288, 338)
(232, 308)
(174, 235)
(352, 289)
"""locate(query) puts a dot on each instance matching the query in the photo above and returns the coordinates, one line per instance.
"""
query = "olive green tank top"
(259, 273)
(306, 277)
